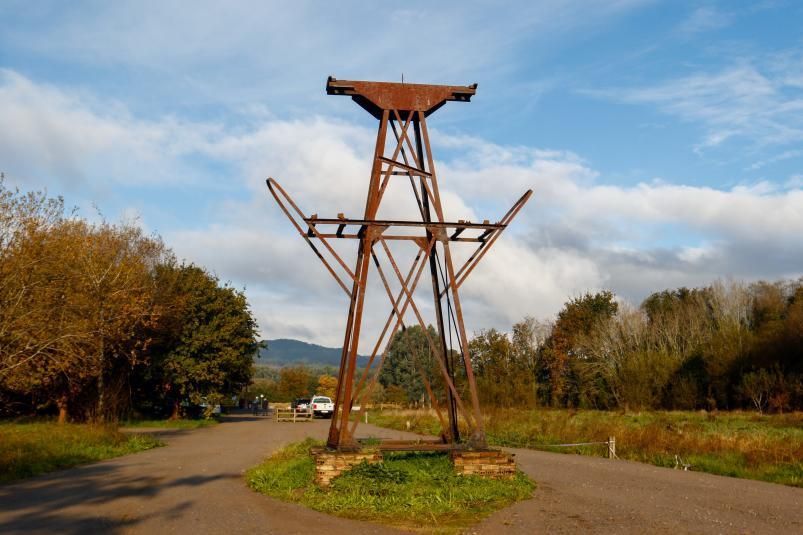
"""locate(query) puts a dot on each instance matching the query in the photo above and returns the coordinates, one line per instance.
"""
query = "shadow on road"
(58, 502)
(158, 432)
(239, 418)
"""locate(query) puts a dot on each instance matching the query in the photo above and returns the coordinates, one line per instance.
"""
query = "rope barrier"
(611, 443)
(569, 445)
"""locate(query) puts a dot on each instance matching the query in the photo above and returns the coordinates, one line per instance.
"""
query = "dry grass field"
(737, 444)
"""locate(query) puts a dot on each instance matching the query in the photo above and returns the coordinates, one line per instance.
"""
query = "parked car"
(301, 404)
(322, 406)
(204, 409)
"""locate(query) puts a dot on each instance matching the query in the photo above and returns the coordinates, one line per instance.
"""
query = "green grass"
(737, 444)
(30, 449)
(170, 424)
(417, 491)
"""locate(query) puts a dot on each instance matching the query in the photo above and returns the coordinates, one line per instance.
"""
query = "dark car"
(301, 404)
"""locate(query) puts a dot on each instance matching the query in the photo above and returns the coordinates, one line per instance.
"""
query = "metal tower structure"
(402, 152)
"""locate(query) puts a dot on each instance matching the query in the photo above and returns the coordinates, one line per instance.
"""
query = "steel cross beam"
(402, 150)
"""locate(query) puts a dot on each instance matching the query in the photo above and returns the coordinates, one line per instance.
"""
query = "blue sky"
(664, 140)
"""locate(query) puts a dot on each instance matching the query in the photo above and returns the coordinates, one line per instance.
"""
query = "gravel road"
(195, 485)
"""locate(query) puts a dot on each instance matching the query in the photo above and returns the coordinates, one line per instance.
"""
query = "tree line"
(721, 347)
(99, 320)
(292, 382)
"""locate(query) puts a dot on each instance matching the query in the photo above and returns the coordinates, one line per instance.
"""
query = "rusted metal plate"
(375, 97)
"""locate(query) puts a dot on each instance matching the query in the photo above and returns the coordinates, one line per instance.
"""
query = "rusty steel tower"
(402, 152)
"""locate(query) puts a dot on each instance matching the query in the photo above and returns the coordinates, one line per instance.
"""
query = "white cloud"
(578, 233)
(705, 19)
(785, 155)
(251, 51)
(71, 138)
(745, 101)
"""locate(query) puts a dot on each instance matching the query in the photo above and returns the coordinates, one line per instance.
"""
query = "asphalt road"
(195, 485)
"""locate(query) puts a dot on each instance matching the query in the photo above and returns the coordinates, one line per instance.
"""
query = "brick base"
(330, 464)
(491, 464)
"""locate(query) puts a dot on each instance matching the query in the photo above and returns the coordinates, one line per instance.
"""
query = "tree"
(623, 366)
(32, 334)
(409, 361)
(327, 386)
(396, 394)
(378, 394)
(204, 344)
(95, 317)
(503, 372)
(529, 339)
(111, 300)
(73, 296)
(578, 317)
(294, 382)
(268, 388)
(757, 387)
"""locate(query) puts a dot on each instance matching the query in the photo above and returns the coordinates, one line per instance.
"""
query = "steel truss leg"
(420, 169)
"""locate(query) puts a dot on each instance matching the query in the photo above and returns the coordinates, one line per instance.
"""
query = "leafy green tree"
(503, 369)
(204, 345)
(409, 358)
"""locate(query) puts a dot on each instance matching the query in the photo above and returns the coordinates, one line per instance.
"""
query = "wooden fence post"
(611, 447)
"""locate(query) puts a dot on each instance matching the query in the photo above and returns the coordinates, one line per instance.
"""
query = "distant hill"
(288, 352)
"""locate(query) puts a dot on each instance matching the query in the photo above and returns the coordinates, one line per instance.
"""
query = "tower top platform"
(375, 97)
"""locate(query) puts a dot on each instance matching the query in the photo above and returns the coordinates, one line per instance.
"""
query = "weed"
(378, 473)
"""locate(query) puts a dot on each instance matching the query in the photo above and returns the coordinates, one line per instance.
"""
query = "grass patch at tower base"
(418, 491)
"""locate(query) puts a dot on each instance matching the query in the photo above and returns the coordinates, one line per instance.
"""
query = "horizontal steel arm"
(356, 228)
(397, 223)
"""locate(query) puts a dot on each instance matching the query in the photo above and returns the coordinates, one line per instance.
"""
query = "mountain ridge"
(291, 352)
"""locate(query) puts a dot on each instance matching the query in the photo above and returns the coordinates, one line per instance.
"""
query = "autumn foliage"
(722, 347)
(98, 319)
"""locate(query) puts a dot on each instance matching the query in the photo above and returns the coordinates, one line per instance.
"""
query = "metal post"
(453, 433)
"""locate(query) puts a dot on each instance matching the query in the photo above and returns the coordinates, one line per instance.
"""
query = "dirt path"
(195, 485)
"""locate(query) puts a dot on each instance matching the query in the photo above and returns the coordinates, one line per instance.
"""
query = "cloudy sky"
(663, 140)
